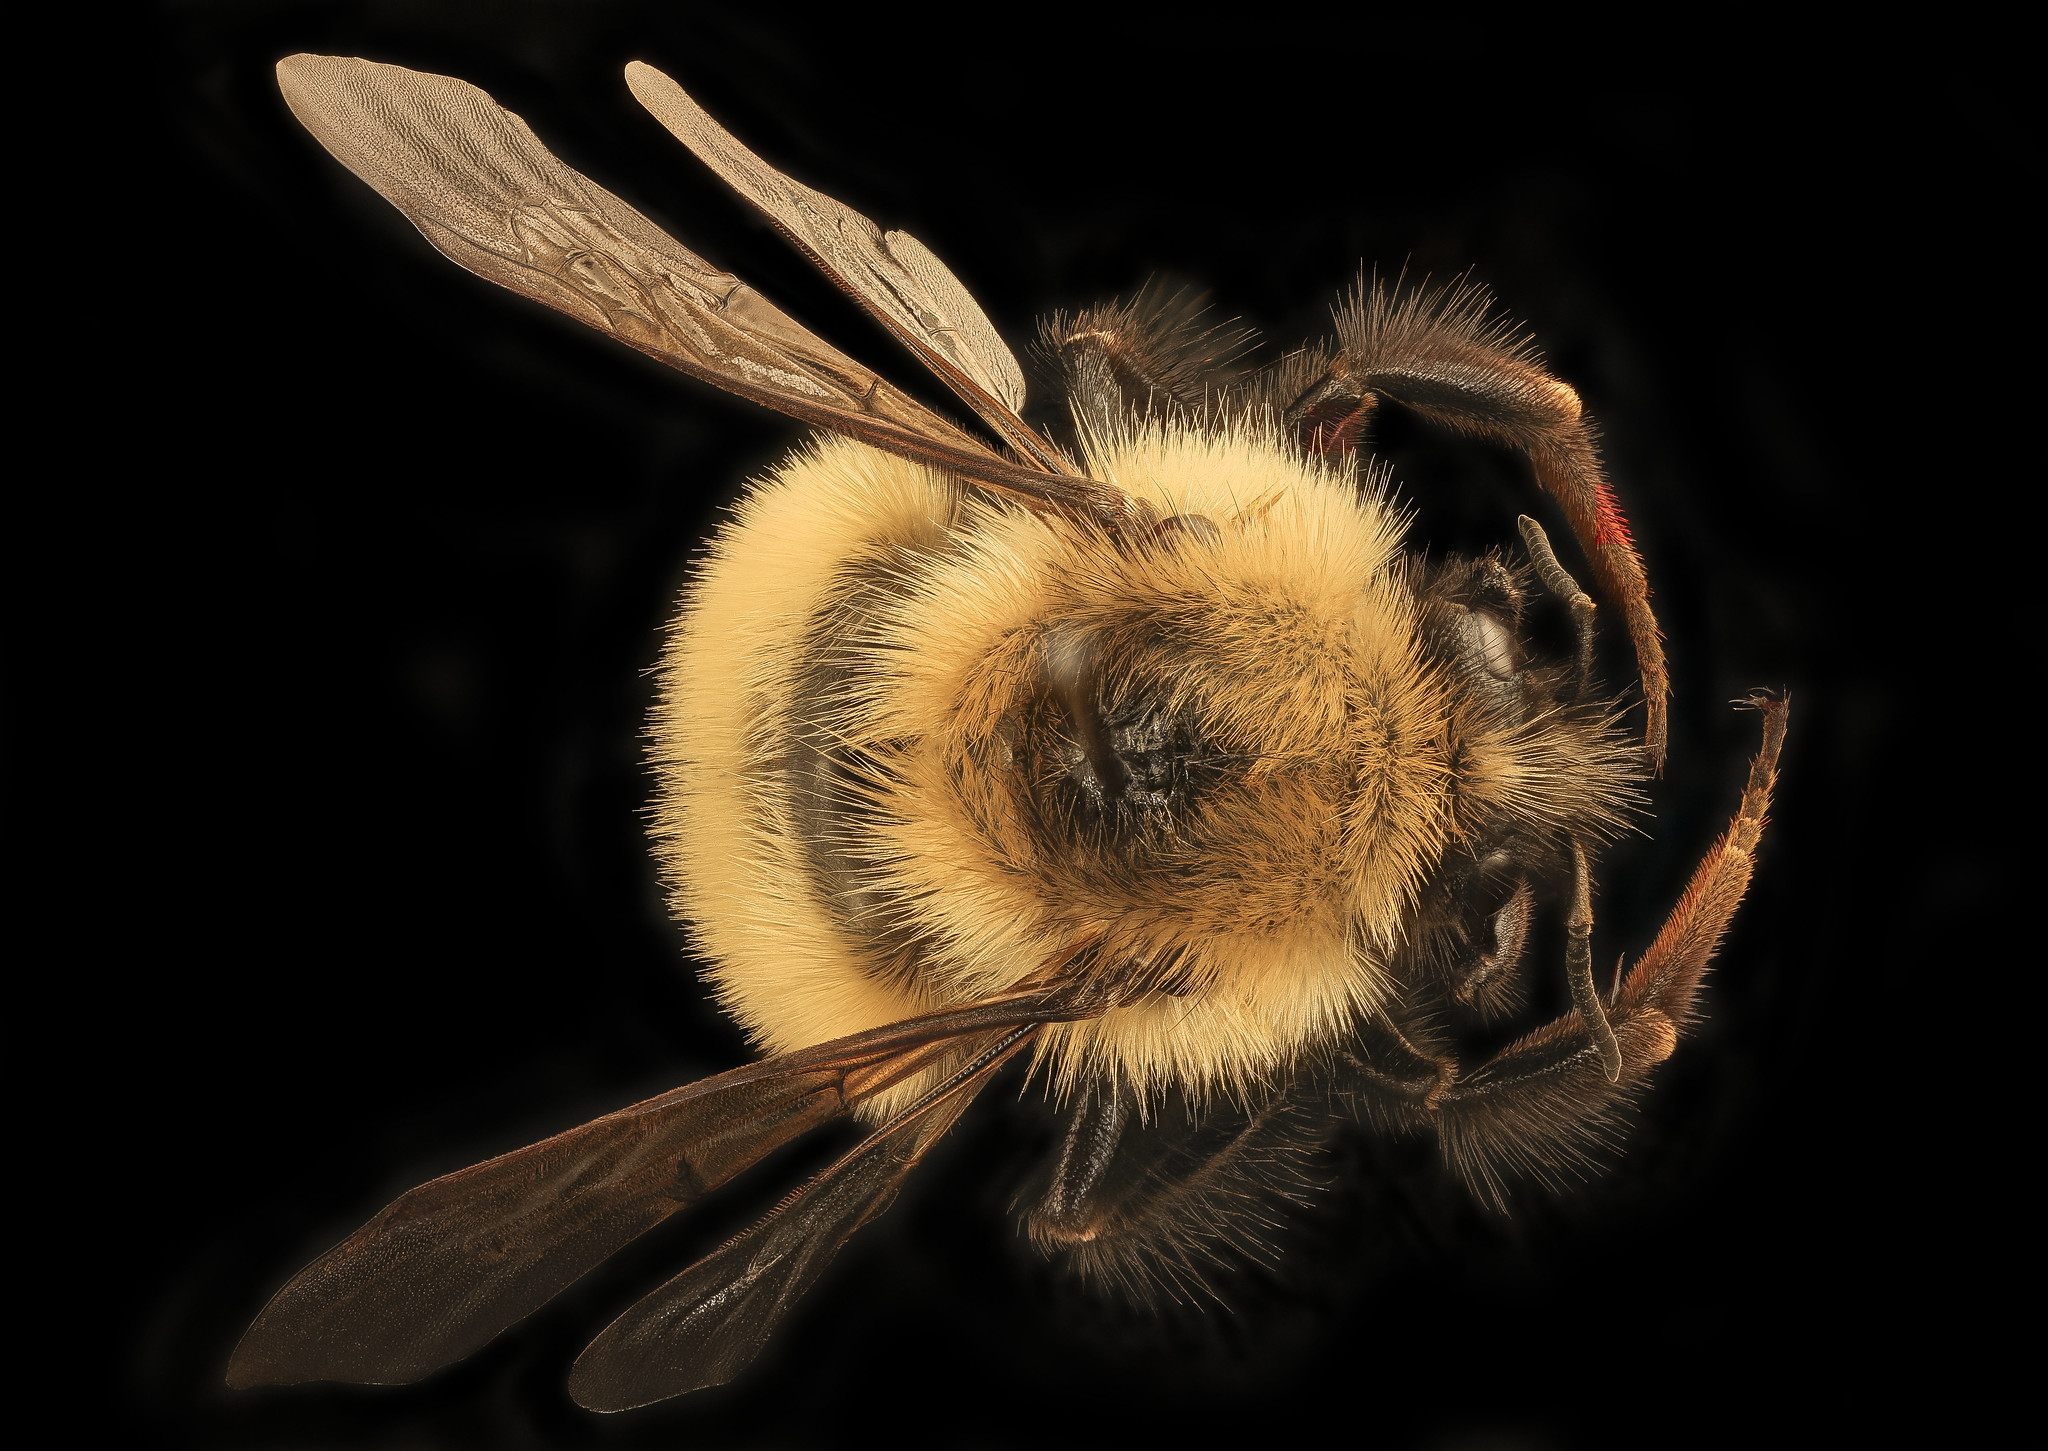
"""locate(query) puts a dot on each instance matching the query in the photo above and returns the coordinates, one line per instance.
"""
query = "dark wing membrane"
(448, 1266)
(892, 274)
(480, 187)
(704, 1326)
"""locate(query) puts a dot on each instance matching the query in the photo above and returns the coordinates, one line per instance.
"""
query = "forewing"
(451, 1264)
(708, 1323)
(895, 276)
(480, 187)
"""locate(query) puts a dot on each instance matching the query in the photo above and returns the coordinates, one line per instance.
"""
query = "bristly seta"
(1149, 748)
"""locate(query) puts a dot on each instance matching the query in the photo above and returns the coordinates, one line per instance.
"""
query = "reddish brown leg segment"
(1665, 980)
(1440, 355)
(1542, 1103)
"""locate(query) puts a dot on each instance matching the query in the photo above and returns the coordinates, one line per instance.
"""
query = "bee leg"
(1389, 1080)
(1543, 1104)
(1567, 590)
(1440, 356)
(1070, 1211)
(1332, 416)
(1133, 359)
(1578, 968)
(1152, 1204)
(1490, 984)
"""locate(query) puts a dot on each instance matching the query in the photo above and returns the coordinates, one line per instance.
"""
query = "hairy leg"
(1540, 1105)
(1441, 356)
(1151, 1204)
(1132, 359)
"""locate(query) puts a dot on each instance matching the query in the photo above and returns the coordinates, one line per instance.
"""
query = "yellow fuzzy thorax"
(932, 619)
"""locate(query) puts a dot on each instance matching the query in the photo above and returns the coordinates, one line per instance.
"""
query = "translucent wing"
(480, 187)
(704, 1326)
(892, 274)
(451, 1264)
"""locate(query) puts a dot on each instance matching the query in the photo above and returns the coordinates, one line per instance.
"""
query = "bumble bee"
(1147, 750)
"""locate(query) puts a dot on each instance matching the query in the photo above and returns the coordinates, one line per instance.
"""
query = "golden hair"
(858, 608)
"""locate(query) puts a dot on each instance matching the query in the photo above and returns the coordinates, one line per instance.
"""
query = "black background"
(378, 566)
